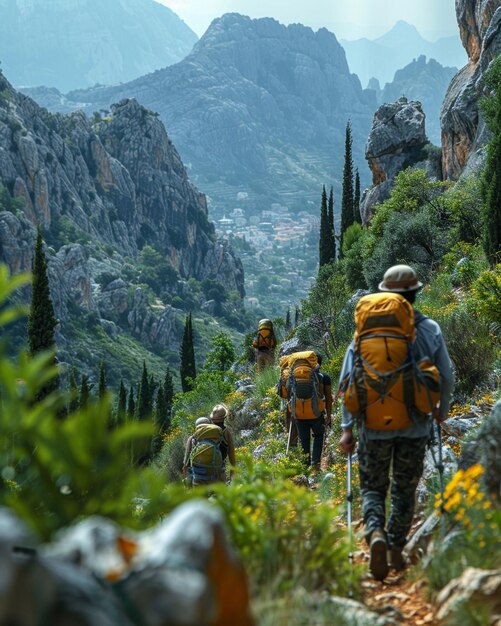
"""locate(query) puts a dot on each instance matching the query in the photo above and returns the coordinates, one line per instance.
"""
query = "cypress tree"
(356, 202)
(188, 367)
(288, 319)
(143, 409)
(131, 405)
(84, 393)
(73, 406)
(491, 179)
(347, 213)
(168, 393)
(162, 418)
(102, 381)
(122, 403)
(41, 321)
(296, 316)
(323, 245)
(332, 231)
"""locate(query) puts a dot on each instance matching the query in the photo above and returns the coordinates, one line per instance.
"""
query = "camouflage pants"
(405, 456)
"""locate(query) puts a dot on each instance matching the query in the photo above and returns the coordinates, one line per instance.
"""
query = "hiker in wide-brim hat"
(392, 448)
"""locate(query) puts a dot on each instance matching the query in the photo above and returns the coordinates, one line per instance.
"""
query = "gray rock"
(457, 427)
(475, 587)
(396, 141)
(290, 346)
(360, 614)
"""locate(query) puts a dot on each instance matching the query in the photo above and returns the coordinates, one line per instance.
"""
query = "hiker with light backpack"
(208, 449)
(264, 344)
(309, 402)
(396, 377)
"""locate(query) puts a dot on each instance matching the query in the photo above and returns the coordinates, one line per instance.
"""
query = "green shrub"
(486, 292)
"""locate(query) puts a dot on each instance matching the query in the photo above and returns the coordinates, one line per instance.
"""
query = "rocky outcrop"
(396, 141)
(463, 129)
(423, 81)
(475, 589)
(73, 44)
(257, 107)
(182, 572)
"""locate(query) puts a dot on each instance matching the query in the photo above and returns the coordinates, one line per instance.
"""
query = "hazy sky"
(348, 19)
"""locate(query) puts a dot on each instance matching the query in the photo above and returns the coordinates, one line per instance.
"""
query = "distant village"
(283, 254)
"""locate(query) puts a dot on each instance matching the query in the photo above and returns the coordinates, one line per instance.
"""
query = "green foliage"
(265, 381)
(413, 239)
(355, 246)
(356, 200)
(412, 191)
(155, 270)
(487, 295)
(222, 354)
(286, 538)
(59, 471)
(8, 203)
(327, 320)
(332, 231)
(491, 179)
(462, 205)
(465, 262)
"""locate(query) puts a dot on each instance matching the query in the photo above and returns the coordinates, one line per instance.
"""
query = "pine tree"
(323, 244)
(84, 393)
(131, 405)
(188, 367)
(122, 404)
(356, 202)
(73, 406)
(347, 213)
(102, 381)
(143, 408)
(491, 179)
(332, 230)
(41, 321)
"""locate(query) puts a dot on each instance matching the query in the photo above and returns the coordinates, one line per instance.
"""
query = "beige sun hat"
(219, 413)
(400, 279)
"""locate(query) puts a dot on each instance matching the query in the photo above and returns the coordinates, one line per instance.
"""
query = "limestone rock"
(475, 587)
(463, 129)
(113, 300)
(396, 141)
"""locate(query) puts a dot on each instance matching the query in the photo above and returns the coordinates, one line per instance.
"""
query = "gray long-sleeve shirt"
(429, 343)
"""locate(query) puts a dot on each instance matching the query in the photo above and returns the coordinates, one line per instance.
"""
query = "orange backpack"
(301, 383)
(265, 336)
(387, 386)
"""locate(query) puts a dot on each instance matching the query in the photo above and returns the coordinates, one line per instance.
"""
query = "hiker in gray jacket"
(403, 449)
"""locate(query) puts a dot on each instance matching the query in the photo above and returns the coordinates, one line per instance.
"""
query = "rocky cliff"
(102, 191)
(73, 44)
(463, 129)
(257, 107)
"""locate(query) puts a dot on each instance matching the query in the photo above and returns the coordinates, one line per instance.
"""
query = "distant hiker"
(203, 462)
(265, 344)
(227, 446)
(396, 375)
(309, 401)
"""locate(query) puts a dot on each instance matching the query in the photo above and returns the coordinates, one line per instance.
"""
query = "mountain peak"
(400, 32)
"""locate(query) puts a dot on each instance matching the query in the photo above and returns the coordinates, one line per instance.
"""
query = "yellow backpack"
(301, 383)
(265, 336)
(387, 386)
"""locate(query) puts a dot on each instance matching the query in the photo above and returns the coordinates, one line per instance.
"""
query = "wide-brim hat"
(219, 413)
(400, 279)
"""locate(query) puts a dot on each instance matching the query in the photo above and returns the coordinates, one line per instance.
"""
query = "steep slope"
(78, 43)
(105, 194)
(382, 57)
(257, 107)
(426, 82)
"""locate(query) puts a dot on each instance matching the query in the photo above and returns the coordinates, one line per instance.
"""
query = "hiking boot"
(378, 564)
(397, 560)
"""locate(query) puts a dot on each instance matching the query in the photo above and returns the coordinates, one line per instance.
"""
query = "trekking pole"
(440, 467)
(349, 498)
(289, 438)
